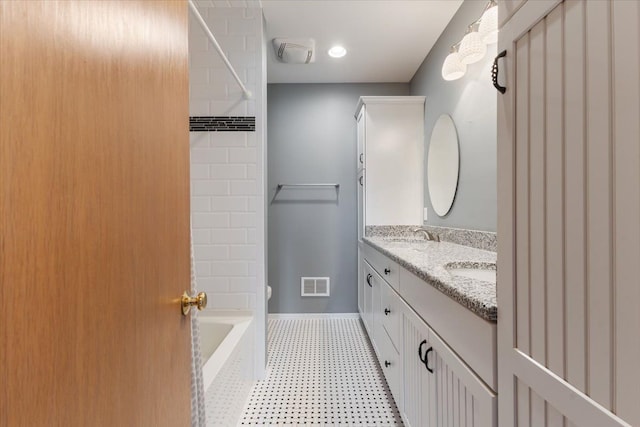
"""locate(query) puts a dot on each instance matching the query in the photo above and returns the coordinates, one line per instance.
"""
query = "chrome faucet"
(427, 234)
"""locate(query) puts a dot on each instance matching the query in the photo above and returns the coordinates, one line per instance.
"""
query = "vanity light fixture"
(472, 48)
(453, 69)
(337, 52)
(488, 28)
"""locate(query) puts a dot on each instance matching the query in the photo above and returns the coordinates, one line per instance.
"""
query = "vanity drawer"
(391, 315)
(388, 269)
(390, 362)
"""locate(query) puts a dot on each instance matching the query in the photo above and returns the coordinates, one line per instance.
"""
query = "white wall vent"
(315, 286)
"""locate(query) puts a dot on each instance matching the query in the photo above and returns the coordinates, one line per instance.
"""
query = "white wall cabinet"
(568, 228)
(391, 151)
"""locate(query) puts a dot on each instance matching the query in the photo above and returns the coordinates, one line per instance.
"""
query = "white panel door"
(462, 399)
(569, 215)
(418, 382)
(368, 272)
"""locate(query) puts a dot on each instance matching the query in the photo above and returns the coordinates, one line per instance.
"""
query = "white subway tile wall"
(224, 181)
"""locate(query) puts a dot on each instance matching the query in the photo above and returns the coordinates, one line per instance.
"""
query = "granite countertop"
(428, 260)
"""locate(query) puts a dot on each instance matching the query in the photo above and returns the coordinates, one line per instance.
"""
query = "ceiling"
(386, 40)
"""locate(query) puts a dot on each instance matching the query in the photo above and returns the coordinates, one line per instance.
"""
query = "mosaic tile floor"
(321, 372)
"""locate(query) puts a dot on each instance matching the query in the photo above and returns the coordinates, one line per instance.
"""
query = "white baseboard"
(288, 316)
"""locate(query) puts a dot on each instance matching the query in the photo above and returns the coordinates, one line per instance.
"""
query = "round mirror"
(443, 164)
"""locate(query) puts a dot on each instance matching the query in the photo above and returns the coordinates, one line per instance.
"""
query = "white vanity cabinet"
(439, 388)
(430, 382)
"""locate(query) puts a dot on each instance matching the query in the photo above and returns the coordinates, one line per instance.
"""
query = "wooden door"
(94, 213)
(569, 215)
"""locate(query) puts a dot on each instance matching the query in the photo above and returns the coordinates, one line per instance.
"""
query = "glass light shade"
(337, 52)
(488, 28)
(472, 48)
(452, 68)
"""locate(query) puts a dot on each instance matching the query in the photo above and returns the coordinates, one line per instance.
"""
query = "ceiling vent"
(295, 51)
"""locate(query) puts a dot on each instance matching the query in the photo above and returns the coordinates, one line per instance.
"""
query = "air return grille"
(314, 286)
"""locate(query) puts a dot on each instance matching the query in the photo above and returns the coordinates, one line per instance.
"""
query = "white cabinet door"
(462, 399)
(368, 297)
(439, 388)
(361, 282)
(568, 229)
(361, 204)
(361, 136)
(418, 382)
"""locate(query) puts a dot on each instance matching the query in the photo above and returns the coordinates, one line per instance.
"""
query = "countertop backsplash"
(484, 240)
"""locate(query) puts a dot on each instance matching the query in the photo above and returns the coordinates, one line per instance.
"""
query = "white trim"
(388, 100)
(579, 408)
(291, 316)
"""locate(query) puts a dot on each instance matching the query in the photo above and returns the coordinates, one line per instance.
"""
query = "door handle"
(495, 71)
(186, 302)
(369, 276)
(360, 180)
(361, 154)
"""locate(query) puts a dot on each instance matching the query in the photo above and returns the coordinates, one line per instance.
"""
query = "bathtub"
(226, 343)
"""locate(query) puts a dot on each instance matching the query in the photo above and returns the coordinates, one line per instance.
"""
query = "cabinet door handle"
(387, 363)
(361, 154)
(420, 350)
(495, 71)
(369, 276)
(386, 311)
(360, 180)
(387, 271)
(426, 359)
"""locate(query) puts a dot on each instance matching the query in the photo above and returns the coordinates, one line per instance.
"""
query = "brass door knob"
(200, 301)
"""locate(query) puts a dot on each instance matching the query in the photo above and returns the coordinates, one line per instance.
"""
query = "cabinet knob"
(386, 311)
(387, 363)
(387, 271)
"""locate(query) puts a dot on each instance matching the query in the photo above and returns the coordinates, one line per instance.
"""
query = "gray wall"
(471, 101)
(312, 232)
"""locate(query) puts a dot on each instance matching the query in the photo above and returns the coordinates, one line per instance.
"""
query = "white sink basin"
(482, 274)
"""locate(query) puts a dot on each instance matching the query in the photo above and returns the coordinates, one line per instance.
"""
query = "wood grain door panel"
(94, 213)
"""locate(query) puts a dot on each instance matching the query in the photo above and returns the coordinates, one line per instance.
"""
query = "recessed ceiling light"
(337, 52)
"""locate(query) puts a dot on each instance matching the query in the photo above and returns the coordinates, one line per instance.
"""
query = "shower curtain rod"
(246, 94)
